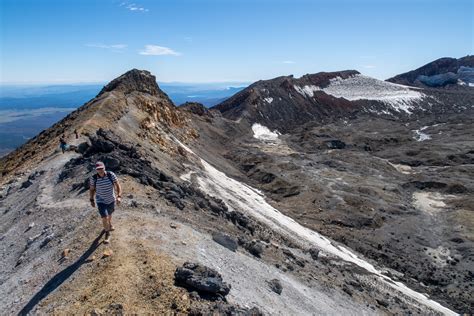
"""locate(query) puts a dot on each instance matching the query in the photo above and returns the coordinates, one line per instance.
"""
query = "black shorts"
(106, 209)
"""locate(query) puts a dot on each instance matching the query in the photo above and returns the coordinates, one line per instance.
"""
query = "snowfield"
(358, 87)
(263, 133)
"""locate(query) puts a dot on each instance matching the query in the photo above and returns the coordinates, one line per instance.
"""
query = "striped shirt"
(104, 189)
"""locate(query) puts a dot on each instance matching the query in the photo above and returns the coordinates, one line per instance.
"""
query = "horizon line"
(64, 83)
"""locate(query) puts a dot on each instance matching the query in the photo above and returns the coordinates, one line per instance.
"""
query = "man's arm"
(91, 192)
(91, 195)
(118, 189)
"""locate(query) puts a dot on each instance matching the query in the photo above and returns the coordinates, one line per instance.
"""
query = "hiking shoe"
(107, 237)
(112, 228)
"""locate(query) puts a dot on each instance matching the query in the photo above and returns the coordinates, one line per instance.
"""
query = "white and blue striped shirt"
(104, 189)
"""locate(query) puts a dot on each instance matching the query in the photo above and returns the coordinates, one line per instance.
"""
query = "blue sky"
(226, 40)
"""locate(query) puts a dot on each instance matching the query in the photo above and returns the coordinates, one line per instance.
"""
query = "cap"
(99, 165)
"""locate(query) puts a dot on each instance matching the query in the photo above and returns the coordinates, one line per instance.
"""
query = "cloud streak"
(104, 46)
(134, 7)
(154, 50)
(289, 62)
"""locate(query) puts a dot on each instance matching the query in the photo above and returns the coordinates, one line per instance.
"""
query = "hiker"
(105, 185)
(76, 133)
(62, 143)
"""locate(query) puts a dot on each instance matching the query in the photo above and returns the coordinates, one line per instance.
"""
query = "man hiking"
(104, 185)
(63, 144)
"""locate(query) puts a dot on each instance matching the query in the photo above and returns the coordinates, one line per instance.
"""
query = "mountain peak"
(441, 72)
(133, 80)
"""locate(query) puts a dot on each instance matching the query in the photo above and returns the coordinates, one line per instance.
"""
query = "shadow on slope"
(60, 277)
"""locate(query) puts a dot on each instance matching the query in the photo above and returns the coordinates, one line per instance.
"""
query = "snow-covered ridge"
(359, 87)
(263, 133)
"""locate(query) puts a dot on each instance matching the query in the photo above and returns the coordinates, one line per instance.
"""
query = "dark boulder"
(241, 220)
(215, 207)
(335, 144)
(225, 240)
(111, 163)
(99, 145)
(314, 252)
(83, 147)
(275, 286)
(26, 184)
(422, 185)
(34, 175)
(456, 188)
(255, 247)
(206, 281)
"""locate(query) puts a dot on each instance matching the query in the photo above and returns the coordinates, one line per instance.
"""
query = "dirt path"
(46, 194)
(127, 275)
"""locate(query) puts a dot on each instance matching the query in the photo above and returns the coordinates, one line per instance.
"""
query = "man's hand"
(119, 200)
(92, 203)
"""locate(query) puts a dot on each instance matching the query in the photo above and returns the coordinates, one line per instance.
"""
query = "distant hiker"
(62, 143)
(104, 185)
(76, 133)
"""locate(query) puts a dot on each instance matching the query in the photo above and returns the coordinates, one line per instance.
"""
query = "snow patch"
(440, 255)
(420, 136)
(307, 91)
(429, 202)
(263, 133)
(268, 100)
(405, 169)
(358, 87)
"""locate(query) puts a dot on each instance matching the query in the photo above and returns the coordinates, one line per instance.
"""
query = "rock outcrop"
(206, 281)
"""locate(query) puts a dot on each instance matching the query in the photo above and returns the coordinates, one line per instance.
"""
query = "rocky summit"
(444, 72)
(333, 193)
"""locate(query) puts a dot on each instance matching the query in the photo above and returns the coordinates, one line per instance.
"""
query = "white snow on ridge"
(246, 199)
(360, 87)
(263, 133)
(268, 100)
(307, 91)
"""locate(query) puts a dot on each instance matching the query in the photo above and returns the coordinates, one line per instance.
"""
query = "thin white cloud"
(369, 66)
(155, 50)
(289, 62)
(134, 7)
(188, 39)
(113, 46)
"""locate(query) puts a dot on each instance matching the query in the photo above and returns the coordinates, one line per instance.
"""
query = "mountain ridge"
(443, 66)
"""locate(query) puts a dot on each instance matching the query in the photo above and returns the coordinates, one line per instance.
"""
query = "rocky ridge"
(284, 103)
(443, 72)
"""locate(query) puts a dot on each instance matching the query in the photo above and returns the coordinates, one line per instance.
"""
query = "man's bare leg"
(105, 223)
(111, 227)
